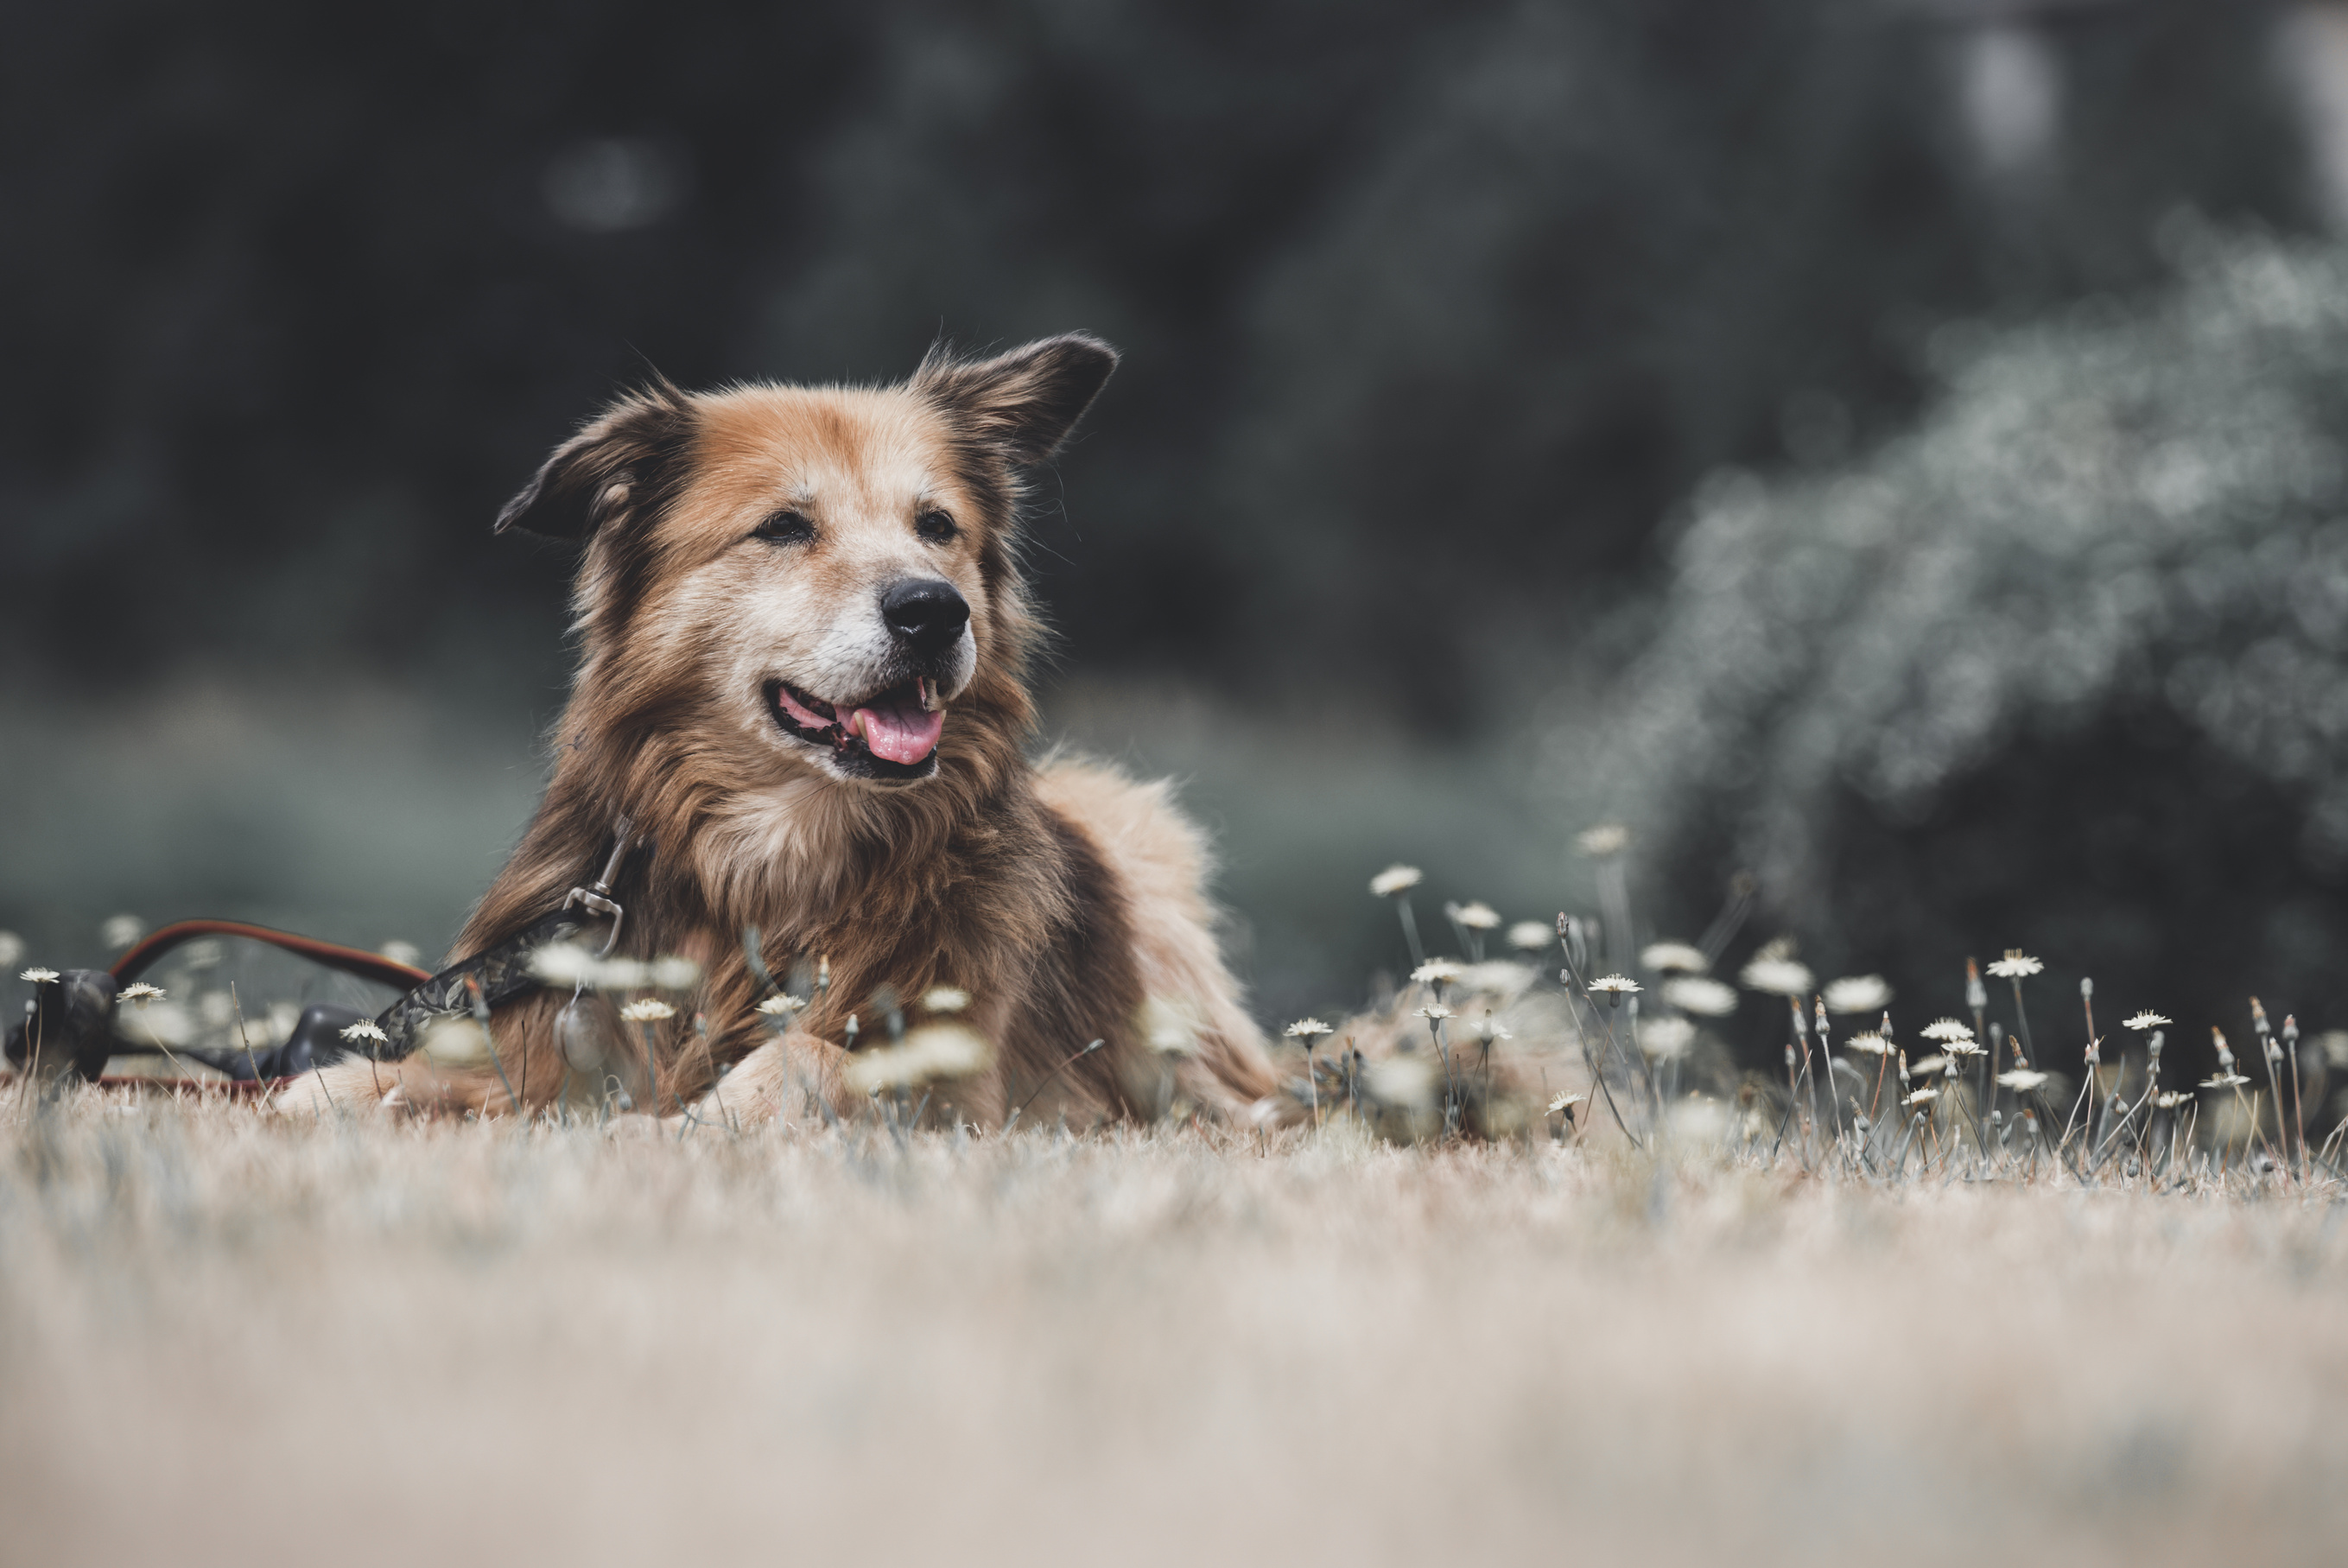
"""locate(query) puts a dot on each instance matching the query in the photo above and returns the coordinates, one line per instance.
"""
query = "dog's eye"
(785, 528)
(935, 526)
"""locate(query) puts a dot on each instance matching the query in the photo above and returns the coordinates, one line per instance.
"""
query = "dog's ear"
(1025, 402)
(627, 457)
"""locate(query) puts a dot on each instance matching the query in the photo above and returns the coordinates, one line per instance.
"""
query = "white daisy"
(1530, 937)
(2015, 965)
(1704, 997)
(1395, 879)
(1606, 838)
(1675, 957)
(1858, 994)
(1778, 976)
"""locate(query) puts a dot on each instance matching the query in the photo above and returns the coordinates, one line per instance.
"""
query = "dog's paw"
(353, 1085)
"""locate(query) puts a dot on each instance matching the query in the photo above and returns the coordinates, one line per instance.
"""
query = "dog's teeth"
(855, 725)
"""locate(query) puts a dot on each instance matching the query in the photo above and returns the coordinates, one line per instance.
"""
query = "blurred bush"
(2067, 667)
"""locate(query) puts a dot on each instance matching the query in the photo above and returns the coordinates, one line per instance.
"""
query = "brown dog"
(804, 638)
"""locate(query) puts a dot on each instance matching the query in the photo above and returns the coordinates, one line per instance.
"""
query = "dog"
(804, 639)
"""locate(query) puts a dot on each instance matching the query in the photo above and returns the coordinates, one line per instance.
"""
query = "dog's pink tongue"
(900, 731)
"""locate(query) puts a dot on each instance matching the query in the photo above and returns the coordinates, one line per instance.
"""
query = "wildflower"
(563, 964)
(1476, 917)
(1870, 1044)
(621, 974)
(2224, 1080)
(38, 976)
(1606, 838)
(455, 1042)
(1307, 1029)
(1696, 994)
(1435, 1013)
(1928, 1066)
(365, 1032)
(945, 999)
(1564, 1102)
(1666, 1039)
(1669, 956)
(1400, 1081)
(1615, 985)
(1395, 879)
(1487, 1032)
(12, 948)
(1965, 1049)
(2145, 1021)
(1436, 971)
(139, 991)
(2015, 965)
(1921, 1096)
(1496, 976)
(122, 930)
(781, 1006)
(2169, 1100)
(1858, 994)
(1169, 1027)
(930, 1051)
(1946, 1029)
(1779, 976)
(647, 1010)
(1530, 937)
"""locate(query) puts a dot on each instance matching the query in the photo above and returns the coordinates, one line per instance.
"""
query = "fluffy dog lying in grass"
(804, 637)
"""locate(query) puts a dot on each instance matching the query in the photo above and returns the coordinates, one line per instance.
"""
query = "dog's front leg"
(794, 1078)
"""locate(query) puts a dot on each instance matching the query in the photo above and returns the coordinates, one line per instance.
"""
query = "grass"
(227, 1338)
(1936, 1313)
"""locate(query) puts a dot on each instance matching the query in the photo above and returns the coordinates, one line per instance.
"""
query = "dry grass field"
(230, 1338)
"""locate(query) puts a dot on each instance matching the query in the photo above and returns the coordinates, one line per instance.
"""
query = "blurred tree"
(1432, 312)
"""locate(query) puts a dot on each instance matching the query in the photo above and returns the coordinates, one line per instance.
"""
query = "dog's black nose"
(925, 613)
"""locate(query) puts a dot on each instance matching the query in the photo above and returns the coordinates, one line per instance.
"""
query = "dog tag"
(582, 1031)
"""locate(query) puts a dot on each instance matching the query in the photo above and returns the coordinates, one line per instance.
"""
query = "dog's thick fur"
(1064, 898)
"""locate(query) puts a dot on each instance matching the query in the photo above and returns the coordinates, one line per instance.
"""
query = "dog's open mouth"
(900, 725)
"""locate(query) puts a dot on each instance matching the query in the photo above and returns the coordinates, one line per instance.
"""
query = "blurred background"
(1886, 449)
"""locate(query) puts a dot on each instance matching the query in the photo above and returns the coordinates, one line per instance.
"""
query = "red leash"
(356, 961)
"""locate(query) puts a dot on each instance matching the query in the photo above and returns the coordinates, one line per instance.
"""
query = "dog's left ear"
(624, 459)
(1025, 402)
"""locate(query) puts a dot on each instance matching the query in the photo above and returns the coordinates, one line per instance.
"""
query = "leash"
(71, 1023)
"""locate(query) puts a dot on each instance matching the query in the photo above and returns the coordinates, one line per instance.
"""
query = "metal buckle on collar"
(596, 896)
